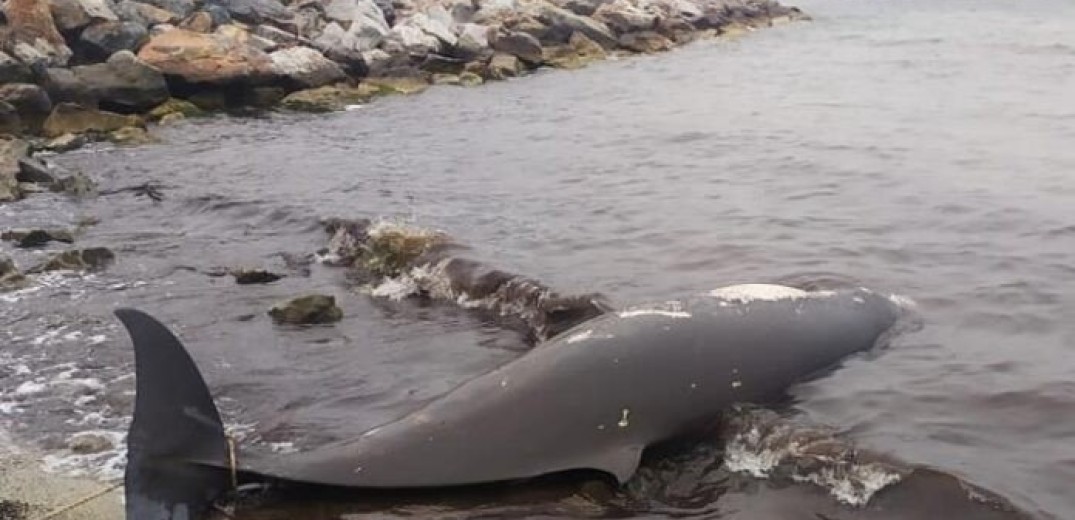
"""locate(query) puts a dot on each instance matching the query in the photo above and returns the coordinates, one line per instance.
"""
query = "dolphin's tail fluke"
(176, 444)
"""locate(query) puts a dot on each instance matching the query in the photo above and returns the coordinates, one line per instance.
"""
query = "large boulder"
(306, 67)
(647, 42)
(29, 100)
(10, 122)
(70, 15)
(435, 27)
(579, 52)
(181, 8)
(11, 151)
(101, 40)
(255, 11)
(624, 17)
(69, 118)
(33, 36)
(473, 41)
(365, 22)
(124, 83)
(563, 23)
(12, 70)
(192, 57)
(346, 47)
(518, 44)
(409, 39)
(62, 85)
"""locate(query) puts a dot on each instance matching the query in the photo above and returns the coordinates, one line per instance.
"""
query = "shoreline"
(76, 71)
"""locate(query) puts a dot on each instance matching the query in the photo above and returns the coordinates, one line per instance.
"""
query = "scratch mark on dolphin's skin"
(623, 420)
(504, 383)
(371, 432)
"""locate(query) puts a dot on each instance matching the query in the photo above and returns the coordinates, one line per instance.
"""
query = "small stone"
(254, 276)
(86, 443)
(470, 79)
(175, 106)
(32, 170)
(131, 135)
(77, 185)
(91, 259)
(66, 143)
(311, 309)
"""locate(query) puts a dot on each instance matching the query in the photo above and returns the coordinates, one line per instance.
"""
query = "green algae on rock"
(307, 310)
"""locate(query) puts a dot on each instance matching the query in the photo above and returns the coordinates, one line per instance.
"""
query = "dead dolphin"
(591, 398)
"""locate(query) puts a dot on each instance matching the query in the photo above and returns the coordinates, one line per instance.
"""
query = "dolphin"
(592, 398)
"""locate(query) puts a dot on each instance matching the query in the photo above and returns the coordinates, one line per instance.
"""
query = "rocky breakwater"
(109, 59)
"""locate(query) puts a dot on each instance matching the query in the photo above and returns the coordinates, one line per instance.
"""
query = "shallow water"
(918, 147)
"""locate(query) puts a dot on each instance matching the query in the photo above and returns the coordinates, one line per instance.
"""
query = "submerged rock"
(10, 277)
(329, 98)
(91, 259)
(175, 106)
(648, 42)
(76, 185)
(579, 52)
(37, 237)
(131, 135)
(307, 310)
(69, 118)
(86, 443)
(254, 276)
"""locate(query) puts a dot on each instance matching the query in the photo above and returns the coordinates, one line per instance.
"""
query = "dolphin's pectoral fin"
(619, 461)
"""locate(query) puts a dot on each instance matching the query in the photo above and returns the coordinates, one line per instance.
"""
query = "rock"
(76, 185)
(329, 98)
(32, 170)
(279, 36)
(28, 100)
(171, 119)
(87, 443)
(352, 11)
(124, 83)
(174, 106)
(438, 64)
(503, 66)
(473, 41)
(70, 15)
(647, 42)
(37, 237)
(181, 8)
(413, 40)
(131, 136)
(65, 143)
(211, 100)
(10, 277)
(200, 22)
(10, 122)
(583, 7)
(470, 79)
(69, 118)
(12, 150)
(565, 23)
(518, 44)
(433, 27)
(405, 85)
(306, 310)
(33, 34)
(254, 276)
(12, 70)
(63, 86)
(90, 259)
(579, 52)
(153, 15)
(446, 79)
(206, 58)
(255, 11)
(101, 40)
(624, 17)
(306, 67)
(363, 35)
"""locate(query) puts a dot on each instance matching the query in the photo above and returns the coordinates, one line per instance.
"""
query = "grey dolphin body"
(593, 398)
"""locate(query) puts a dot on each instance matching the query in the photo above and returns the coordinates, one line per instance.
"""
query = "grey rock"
(12, 70)
(306, 67)
(32, 170)
(181, 8)
(101, 40)
(28, 99)
(563, 23)
(62, 85)
(11, 151)
(624, 17)
(75, 14)
(124, 83)
(519, 44)
(10, 122)
(254, 11)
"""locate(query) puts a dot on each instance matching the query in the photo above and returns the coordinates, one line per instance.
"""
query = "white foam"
(29, 388)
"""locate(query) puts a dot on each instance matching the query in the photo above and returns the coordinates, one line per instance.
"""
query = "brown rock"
(305, 310)
(69, 118)
(579, 52)
(200, 22)
(175, 106)
(503, 66)
(206, 58)
(34, 33)
(131, 136)
(647, 42)
(155, 15)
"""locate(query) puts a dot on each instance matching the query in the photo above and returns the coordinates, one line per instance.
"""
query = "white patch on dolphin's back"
(750, 292)
(669, 309)
(581, 336)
